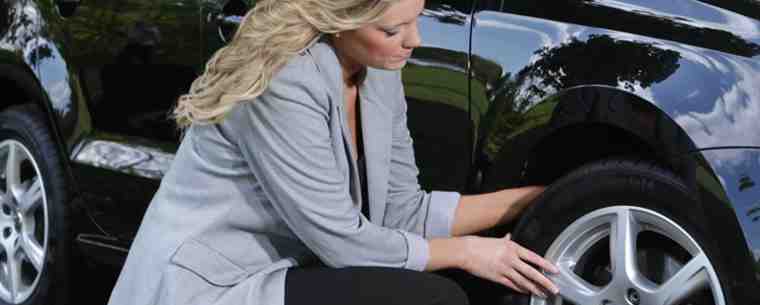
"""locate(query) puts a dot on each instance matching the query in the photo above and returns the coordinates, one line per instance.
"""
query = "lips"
(403, 57)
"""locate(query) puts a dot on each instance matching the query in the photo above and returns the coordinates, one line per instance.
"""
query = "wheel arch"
(592, 123)
(586, 123)
(23, 87)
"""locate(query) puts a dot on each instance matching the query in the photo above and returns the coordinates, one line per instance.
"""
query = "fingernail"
(555, 290)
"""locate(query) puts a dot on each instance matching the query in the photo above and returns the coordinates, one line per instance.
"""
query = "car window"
(687, 21)
(464, 6)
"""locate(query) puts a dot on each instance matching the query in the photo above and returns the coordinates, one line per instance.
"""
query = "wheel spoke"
(623, 246)
(13, 169)
(628, 284)
(33, 251)
(690, 279)
(32, 197)
(574, 288)
(14, 275)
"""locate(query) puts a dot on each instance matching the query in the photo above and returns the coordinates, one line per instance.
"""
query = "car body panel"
(551, 77)
(27, 48)
(131, 60)
(436, 88)
(731, 197)
(691, 22)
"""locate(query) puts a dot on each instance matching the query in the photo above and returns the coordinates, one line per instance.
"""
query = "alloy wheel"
(618, 229)
(24, 223)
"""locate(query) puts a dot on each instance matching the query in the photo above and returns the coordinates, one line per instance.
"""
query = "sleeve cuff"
(418, 251)
(440, 218)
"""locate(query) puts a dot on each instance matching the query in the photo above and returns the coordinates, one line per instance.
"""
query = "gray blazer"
(274, 186)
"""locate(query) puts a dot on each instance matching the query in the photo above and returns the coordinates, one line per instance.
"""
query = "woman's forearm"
(476, 213)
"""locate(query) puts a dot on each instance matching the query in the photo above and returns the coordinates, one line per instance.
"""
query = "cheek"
(378, 48)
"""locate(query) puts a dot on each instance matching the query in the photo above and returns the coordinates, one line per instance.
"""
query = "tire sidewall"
(24, 124)
(617, 183)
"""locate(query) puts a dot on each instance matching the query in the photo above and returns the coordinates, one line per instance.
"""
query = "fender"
(731, 199)
(21, 84)
(587, 123)
(15, 73)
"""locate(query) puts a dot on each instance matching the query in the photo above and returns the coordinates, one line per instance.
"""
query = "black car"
(642, 115)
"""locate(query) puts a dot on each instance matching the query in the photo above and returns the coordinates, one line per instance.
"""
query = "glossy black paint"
(27, 48)
(727, 178)
(436, 87)
(555, 95)
(134, 59)
(501, 93)
(690, 22)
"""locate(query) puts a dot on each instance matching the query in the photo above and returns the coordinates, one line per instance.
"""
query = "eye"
(390, 32)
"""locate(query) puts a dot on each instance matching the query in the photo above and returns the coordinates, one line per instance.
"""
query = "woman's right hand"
(503, 261)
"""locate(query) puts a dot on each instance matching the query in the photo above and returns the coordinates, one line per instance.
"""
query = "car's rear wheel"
(624, 232)
(33, 252)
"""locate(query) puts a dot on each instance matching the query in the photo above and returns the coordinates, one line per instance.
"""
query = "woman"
(263, 202)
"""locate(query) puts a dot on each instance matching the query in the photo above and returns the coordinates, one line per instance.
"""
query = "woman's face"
(386, 44)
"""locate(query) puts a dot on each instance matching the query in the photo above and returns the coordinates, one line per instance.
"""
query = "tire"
(575, 225)
(33, 214)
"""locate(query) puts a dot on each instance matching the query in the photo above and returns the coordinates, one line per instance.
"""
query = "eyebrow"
(397, 25)
(407, 22)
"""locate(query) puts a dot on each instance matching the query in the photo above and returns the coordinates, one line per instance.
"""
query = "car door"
(437, 92)
(435, 82)
(134, 58)
(141, 54)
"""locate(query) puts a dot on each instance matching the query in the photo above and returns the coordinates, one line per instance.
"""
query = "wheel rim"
(626, 284)
(23, 223)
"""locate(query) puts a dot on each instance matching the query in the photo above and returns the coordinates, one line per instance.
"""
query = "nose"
(413, 40)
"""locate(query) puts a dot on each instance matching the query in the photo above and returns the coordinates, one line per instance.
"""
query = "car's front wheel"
(33, 240)
(624, 232)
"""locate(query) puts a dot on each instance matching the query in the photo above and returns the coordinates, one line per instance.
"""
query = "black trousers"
(318, 285)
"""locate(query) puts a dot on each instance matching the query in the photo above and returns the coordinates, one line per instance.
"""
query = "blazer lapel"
(327, 62)
(377, 131)
(346, 133)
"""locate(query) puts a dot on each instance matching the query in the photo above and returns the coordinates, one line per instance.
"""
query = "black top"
(360, 161)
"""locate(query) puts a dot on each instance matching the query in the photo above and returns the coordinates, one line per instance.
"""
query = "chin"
(391, 65)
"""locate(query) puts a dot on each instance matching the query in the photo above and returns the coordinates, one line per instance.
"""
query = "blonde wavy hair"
(268, 36)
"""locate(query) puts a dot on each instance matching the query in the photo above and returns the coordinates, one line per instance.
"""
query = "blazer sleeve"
(285, 138)
(430, 214)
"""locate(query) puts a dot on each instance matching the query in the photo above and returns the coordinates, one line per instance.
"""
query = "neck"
(352, 71)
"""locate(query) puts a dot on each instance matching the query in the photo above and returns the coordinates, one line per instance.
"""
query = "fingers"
(528, 277)
(536, 277)
(524, 283)
(539, 261)
(523, 277)
(509, 283)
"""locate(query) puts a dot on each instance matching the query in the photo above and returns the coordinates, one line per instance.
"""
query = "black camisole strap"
(361, 161)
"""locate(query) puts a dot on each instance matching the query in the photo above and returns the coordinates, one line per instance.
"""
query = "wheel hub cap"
(17, 221)
(614, 232)
(23, 221)
(633, 297)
